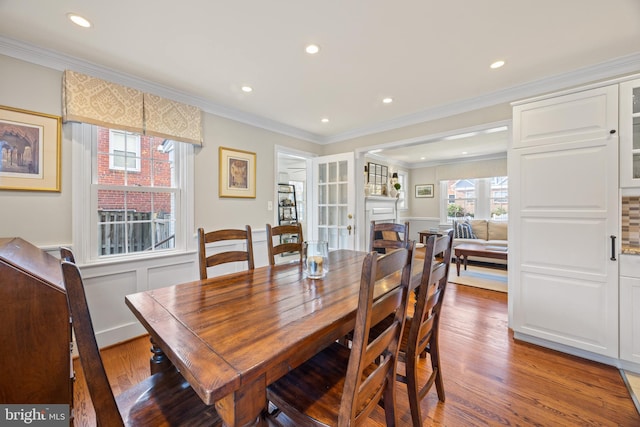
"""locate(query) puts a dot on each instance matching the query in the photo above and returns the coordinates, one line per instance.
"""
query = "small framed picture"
(29, 150)
(237, 173)
(424, 190)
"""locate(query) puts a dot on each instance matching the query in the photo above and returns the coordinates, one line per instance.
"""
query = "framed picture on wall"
(237, 173)
(29, 150)
(424, 190)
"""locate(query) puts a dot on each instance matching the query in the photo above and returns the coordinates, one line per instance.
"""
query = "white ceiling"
(429, 56)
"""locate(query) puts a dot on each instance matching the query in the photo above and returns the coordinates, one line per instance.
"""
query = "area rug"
(632, 381)
(480, 277)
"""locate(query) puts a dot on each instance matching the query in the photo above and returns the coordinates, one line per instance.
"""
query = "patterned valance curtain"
(170, 119)
(92, 100)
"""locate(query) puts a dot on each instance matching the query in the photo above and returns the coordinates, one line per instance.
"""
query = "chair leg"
(413, 391)
(389, 402)
(435, 363)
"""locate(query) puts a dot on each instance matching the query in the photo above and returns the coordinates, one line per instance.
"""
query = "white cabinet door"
(575, 117)
(630, 134)
(563, 213)
(630, 308)
(630, 319)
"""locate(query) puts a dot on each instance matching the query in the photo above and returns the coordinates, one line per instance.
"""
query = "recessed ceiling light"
(324, 120)
(460, 136)
(247, 89)
(465, 152)
(387, 100)
(494, 130)
(312, 49)
(79, 20)
(497, 64)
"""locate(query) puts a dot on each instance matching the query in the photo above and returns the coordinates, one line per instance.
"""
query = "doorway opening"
(292, 168)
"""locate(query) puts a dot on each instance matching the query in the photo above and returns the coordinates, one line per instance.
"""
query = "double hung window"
(135, 187)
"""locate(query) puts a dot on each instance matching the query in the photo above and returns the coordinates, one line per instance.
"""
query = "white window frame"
(131, 144)
(403, 200)
(482, 199)
(84, 200)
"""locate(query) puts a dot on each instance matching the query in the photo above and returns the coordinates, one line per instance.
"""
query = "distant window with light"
(480, 198)
(124, 150)
(402, 193)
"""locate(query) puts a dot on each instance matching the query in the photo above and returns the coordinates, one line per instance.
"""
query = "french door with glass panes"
(333, 201)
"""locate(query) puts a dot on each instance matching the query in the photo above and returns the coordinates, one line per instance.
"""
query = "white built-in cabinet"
(630, 134)
(564, 221)
(630, 308)
(630, 181)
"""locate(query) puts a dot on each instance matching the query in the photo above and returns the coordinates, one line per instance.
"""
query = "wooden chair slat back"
(205, 238)
(422, 336)
(365, 380)
(434, 277)
(388, 235)
(286, 247)
(107, 413)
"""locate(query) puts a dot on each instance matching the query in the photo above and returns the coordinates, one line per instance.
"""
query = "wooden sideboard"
(35, 331)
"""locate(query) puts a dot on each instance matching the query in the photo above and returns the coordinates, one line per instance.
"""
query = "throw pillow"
(498, 230)
(463, 230)
(479, 228)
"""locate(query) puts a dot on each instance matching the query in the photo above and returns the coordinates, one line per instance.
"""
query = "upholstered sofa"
(482, 232)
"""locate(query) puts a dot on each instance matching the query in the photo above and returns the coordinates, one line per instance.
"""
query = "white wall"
(214, 212)
(35, 88)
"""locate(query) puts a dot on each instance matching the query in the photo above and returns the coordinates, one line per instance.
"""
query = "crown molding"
(606, 70)
(58, 61)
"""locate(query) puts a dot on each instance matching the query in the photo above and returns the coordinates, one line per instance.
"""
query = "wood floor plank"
(490, 379)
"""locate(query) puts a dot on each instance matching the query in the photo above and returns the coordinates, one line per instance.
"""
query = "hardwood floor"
(490, 379)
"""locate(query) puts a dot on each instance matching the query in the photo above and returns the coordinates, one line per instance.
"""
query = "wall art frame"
(237, 173)
(424, 191)
(30, 144)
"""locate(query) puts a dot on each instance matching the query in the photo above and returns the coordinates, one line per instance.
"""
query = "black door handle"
(613, 248)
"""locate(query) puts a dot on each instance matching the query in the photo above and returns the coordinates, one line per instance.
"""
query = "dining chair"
(341, 386)
(283, 244)
(163, 399)
(421, 330)
(66, 254)
(388, 235)
(224, 257)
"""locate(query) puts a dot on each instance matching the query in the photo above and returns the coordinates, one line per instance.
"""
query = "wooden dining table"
(233, 335)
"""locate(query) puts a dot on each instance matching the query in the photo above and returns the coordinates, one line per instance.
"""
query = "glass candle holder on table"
(315, 259)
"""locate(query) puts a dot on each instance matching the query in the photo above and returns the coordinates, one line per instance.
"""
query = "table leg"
(159, 361)
(465, 262)
(458, 264)
(244, 406)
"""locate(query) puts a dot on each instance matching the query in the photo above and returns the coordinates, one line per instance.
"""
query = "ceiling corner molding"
(606, 70)
(460, 160)
(59, 61)
(615, 68)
